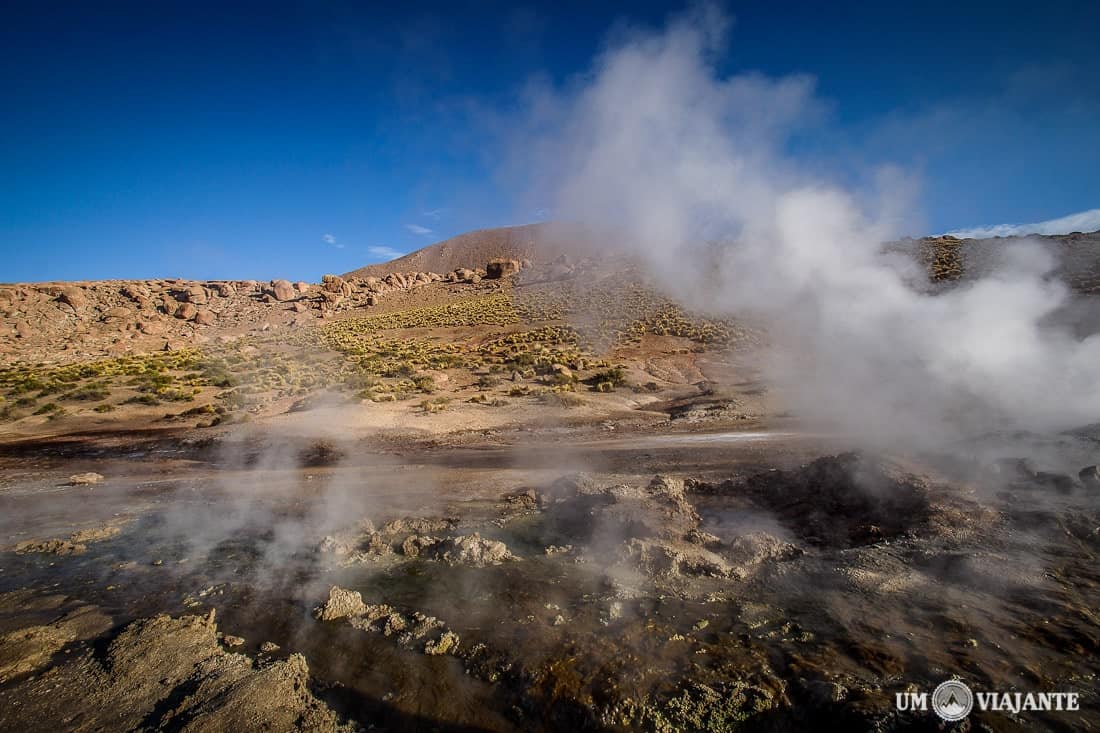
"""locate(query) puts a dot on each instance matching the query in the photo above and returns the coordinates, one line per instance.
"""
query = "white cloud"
(388, 253)
(1084, 221)
(330, 239)
(436, 213)
(417, 229)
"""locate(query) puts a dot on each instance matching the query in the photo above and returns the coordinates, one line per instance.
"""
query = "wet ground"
(755, 586)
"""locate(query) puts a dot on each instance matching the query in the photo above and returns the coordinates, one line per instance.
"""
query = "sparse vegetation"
(513, 333)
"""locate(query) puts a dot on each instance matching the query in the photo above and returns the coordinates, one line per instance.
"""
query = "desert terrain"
(494, 486)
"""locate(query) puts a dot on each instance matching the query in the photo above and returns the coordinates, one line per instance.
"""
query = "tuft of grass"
(435, 404)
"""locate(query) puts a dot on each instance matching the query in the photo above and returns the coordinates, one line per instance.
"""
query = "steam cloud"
(657, 153)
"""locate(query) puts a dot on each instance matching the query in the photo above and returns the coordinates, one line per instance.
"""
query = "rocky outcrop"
(500, 267)
(336, 285)
(61, 322)
(341, 603)
(411, 630)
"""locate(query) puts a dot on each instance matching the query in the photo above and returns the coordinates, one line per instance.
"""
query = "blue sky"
(291, 139)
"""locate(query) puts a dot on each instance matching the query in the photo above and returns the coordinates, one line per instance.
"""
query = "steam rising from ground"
(658, 153)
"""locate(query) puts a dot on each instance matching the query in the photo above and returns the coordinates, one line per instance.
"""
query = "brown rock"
(23, 329)
(224, 290)
(465, 275)
(282, 290)
(133, 292)
(151, 328)
(336, 284)
(204, 318)
(117, 314)
(186, 311)
(302, 287)
(74, 297)
(500, 267)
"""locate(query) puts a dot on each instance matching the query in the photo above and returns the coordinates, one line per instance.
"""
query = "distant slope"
(472, 249)
(1076, 256)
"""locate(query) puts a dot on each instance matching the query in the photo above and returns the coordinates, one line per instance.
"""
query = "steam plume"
(657, 152)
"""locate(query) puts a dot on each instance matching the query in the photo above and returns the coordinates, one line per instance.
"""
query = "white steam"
(657, 153)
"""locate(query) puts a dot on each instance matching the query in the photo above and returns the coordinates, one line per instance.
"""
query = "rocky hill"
(535, 242)
(472, 249)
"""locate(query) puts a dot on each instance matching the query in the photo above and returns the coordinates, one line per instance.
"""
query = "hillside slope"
(472, 249)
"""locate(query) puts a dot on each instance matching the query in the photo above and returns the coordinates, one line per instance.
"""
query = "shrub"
(424, 383)
(91, 393)
(616, 376)
(561, 398)
(436, 404)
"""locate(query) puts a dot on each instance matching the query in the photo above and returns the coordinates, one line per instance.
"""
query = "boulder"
(302, 286)
(466, 275)
(282, 290)
(195, 294)
(117, 314)
(501, 267)
(85, 479)
(73, 297)
(186, 311)
(224, 290)
(205, 318)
